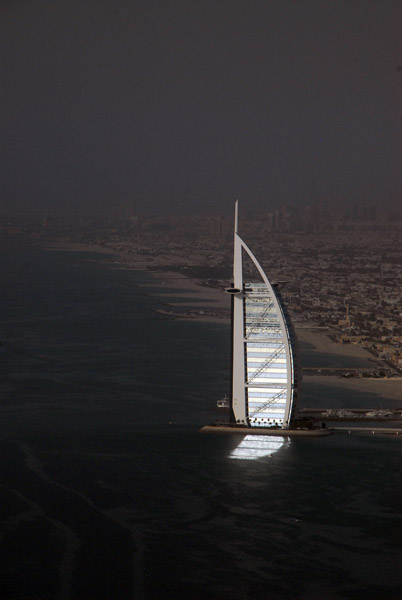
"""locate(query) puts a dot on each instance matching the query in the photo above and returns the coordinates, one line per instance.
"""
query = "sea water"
(108, 491)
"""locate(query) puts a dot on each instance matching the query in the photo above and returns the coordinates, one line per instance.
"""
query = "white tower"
(263, 374)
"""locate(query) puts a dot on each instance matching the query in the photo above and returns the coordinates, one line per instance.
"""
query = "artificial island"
(264, 366)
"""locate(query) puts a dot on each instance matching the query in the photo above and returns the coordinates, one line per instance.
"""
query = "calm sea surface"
(109, 492)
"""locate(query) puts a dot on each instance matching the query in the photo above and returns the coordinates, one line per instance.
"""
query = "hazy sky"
(167, 104)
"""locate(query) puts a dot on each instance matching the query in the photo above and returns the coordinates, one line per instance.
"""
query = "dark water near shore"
(109, 492)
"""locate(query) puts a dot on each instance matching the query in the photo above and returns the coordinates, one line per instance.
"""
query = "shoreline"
(389, 389)
(198, 301)
(77, 247)
(206, 304)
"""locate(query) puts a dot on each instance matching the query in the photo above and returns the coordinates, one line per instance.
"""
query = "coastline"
(323, 344)
(390, 389)
(189, 299)
(77, 247)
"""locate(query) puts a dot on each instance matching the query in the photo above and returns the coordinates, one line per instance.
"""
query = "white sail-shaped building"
(264, 379)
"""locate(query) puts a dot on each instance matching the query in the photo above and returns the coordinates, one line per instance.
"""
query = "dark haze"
(172, 106)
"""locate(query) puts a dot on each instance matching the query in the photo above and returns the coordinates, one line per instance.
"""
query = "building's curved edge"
(293, 341)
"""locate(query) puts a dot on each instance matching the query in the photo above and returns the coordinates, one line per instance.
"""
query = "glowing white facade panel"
(263, 372)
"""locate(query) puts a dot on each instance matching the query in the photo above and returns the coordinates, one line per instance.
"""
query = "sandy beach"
(78, 247)
(323, 344)
(188, 299)
(384, 388)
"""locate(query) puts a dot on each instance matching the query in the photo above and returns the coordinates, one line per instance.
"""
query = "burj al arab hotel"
(264, 375)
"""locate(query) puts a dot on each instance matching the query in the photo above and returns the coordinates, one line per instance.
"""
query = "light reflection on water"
(253, 447)
(91, 381)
